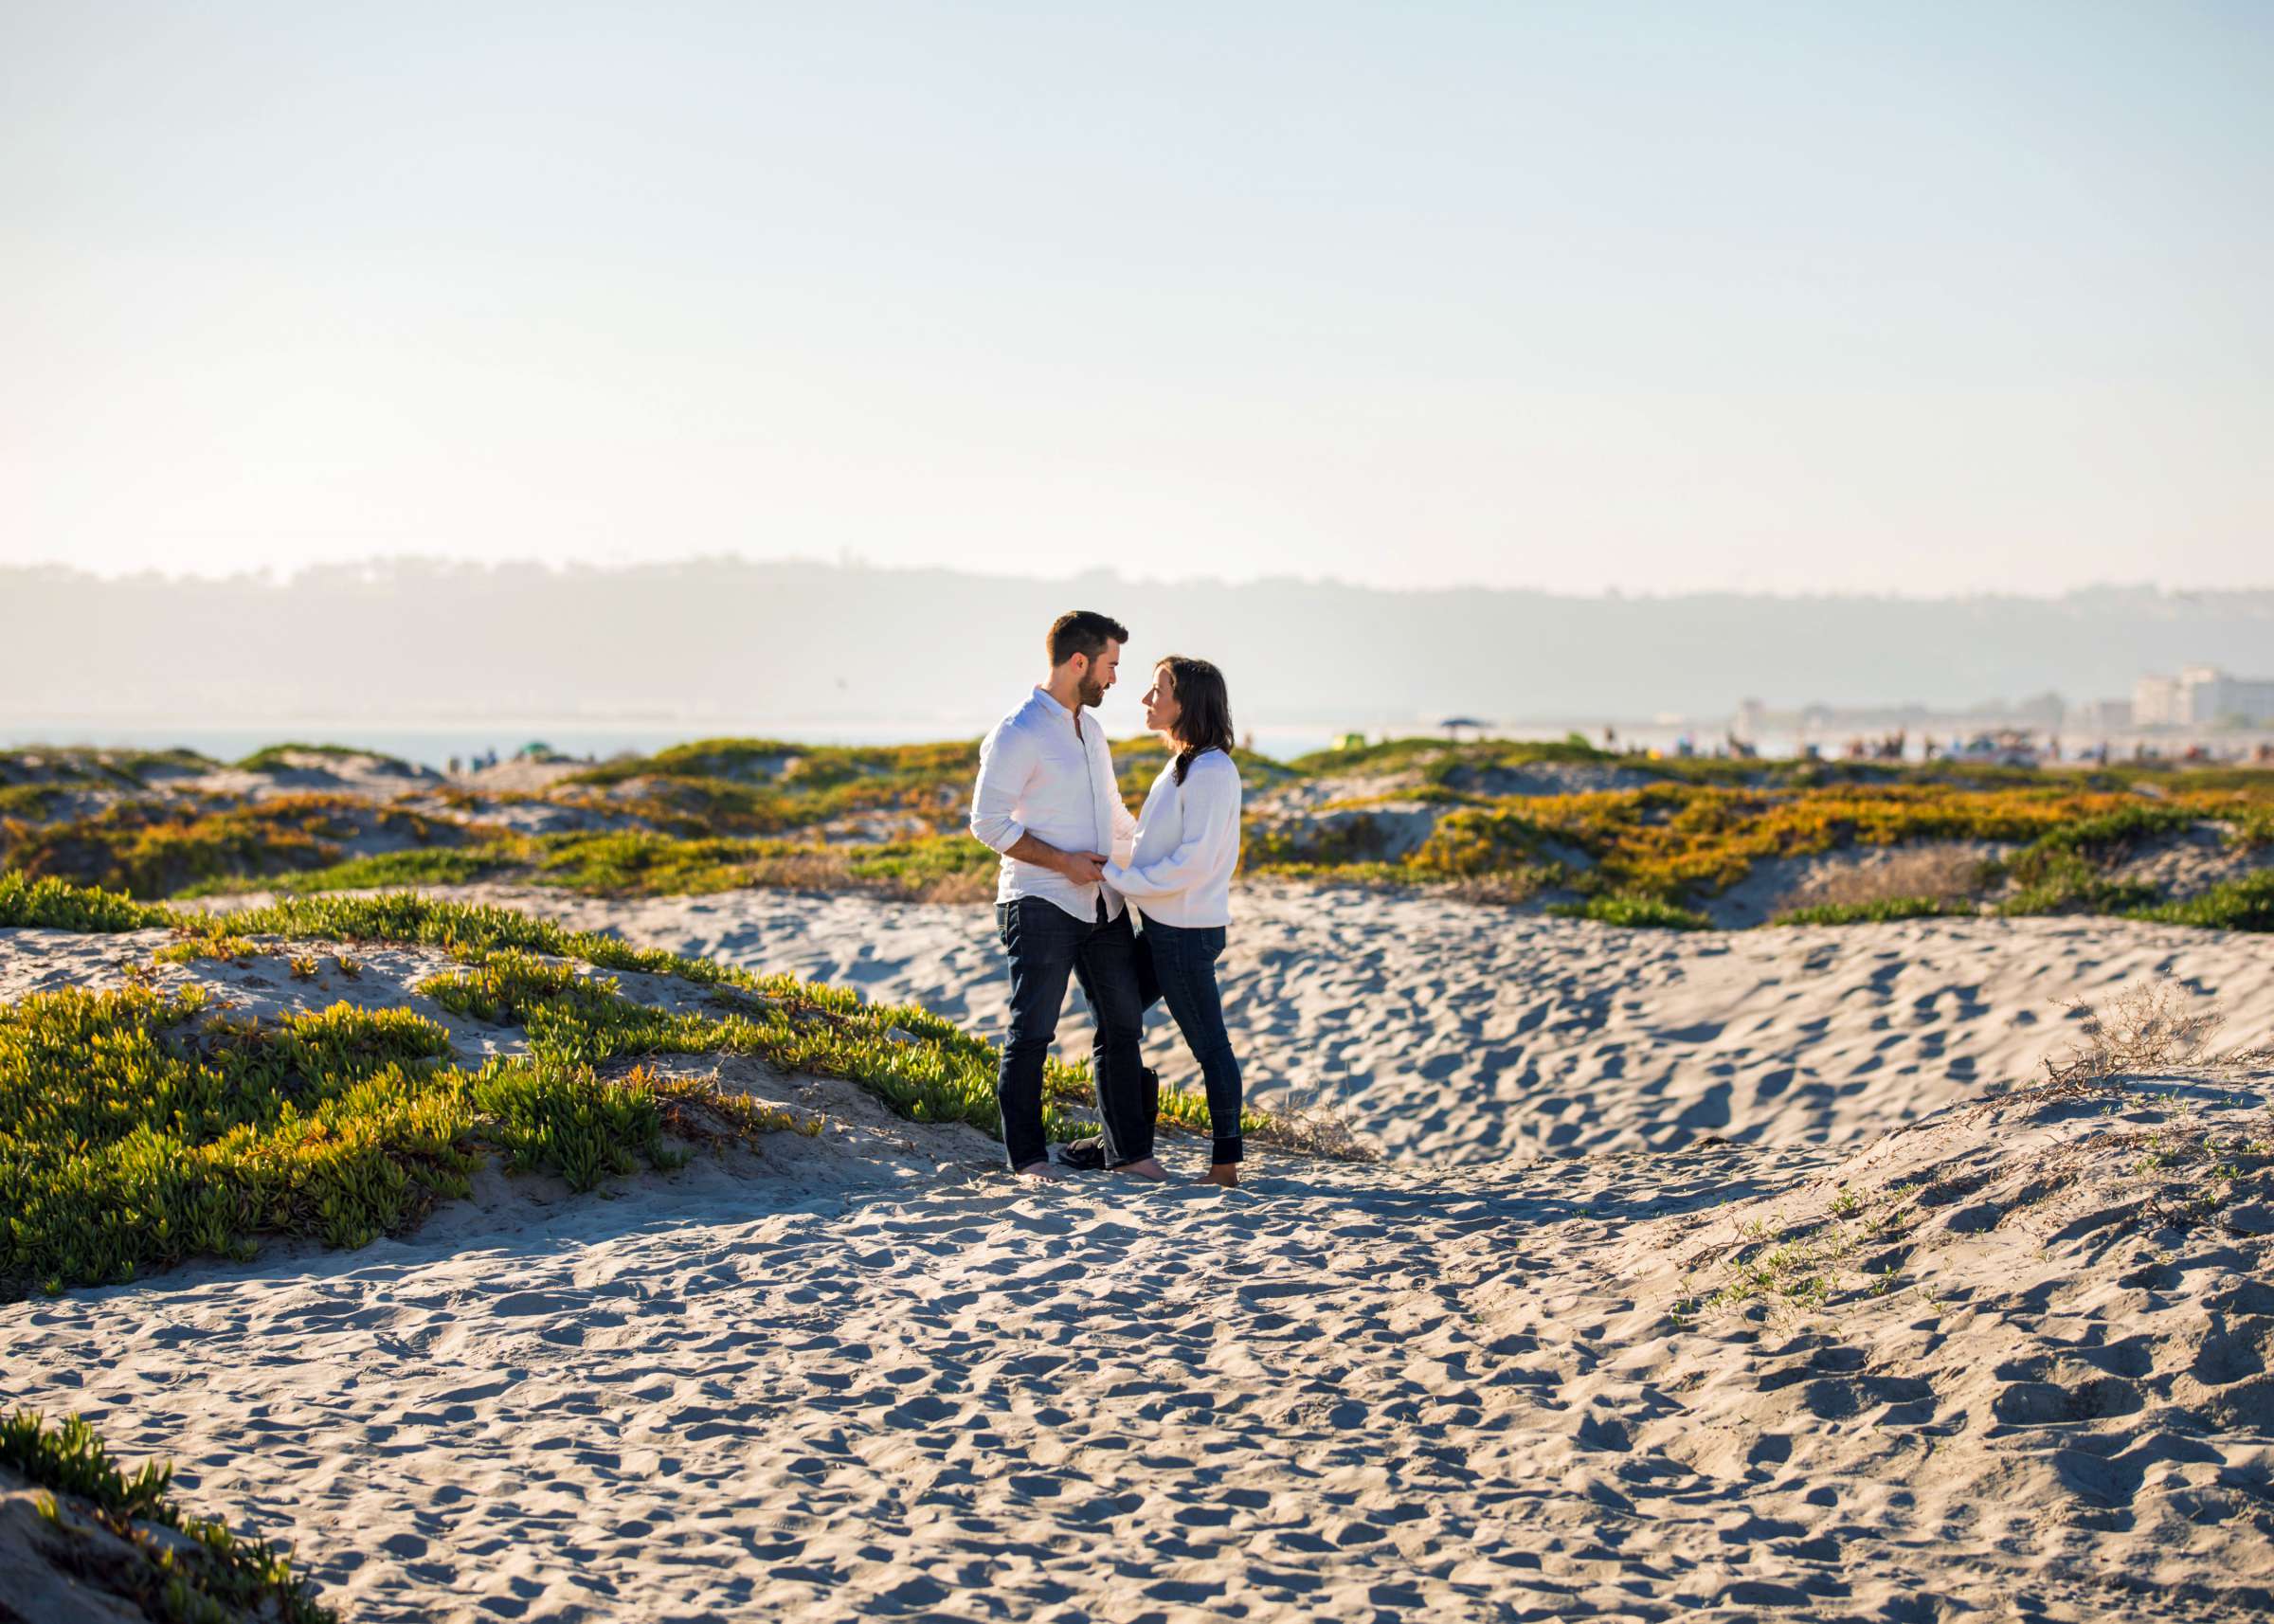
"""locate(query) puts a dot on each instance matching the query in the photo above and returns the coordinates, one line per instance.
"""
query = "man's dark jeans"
(1179, 968)
(1046, 944)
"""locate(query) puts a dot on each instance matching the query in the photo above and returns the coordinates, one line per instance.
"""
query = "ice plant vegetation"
(169, 1563)
(1621, 839)
(141, 1128)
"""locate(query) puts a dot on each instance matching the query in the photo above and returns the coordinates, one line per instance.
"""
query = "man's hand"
(1083, 867)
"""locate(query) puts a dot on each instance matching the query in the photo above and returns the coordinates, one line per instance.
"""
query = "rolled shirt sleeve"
(1006, 760)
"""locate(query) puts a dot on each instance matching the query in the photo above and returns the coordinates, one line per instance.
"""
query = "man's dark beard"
(1094, 693)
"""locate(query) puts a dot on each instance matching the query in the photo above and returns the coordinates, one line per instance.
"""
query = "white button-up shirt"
(1038, 776)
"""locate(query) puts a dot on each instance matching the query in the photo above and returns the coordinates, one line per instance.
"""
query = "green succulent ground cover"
(57, 905)
(271, 758)
(1884, 910)
(644, 863)
(1634, 912)
(808, 767)
(86, 766)
(137, 1135)
(639, 862)
(1651, 854)
(726, 814)
(139, 1128)
(2246, 904)
(426, 865)
(154, 848)
(205, 1573)
(1440, 760)
(764, 786)
(28, 801)
(2063, 871)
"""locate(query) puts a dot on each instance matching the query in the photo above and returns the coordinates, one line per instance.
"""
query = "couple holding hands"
(1073, 861)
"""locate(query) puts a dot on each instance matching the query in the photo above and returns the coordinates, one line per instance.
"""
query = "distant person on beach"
(1047, 801)
(1179, 878)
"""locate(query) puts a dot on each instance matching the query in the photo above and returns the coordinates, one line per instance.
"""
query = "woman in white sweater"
(1179, 878)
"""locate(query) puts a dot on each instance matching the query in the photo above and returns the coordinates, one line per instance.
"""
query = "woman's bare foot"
(1040, 1172)
(1148, 1168)
(1225, 1173)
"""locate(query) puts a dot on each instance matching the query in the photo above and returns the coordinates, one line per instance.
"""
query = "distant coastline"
(712, 646)
(432, 744)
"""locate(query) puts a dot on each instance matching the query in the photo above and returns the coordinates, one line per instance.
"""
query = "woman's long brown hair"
(1204, 710)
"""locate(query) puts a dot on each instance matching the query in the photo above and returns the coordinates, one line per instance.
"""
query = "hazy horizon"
(739, 641)
(286, 574)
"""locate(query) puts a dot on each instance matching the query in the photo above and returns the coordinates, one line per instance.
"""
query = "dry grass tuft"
(2153, 1027)
(700, 1111)
(1310, 1126)
(1507, 887)
(974, 885)
(801, 871)
(1938, 872)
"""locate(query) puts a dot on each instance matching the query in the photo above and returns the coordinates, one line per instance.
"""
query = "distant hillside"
(416, 638)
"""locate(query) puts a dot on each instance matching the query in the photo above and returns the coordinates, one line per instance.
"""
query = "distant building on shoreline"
(2102, 716)
(2203, 697)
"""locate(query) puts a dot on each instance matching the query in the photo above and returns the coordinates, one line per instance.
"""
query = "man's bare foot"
(1148, 1168)
(1040, 1172)
(1225, 1173)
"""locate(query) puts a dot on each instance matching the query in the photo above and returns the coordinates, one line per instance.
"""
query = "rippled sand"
(1456, 1033)
(868, 1374)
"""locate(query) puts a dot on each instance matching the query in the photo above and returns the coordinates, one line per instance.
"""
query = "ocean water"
(433, 745)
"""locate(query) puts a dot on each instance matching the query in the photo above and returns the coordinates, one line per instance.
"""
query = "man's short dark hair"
(1084, 632)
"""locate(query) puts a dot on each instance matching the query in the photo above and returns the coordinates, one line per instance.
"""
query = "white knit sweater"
(1187, 846)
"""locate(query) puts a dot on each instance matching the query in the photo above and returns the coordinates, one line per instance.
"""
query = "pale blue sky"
(1913, 297)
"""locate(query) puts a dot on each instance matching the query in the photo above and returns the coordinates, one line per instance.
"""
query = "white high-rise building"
(2203, 697)
(2212, 697)
(2155, 702)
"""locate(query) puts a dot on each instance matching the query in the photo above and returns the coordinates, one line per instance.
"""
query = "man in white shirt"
(1046, 800)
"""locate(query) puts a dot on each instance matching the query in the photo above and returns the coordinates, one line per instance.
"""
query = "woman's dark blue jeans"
(1178, 966)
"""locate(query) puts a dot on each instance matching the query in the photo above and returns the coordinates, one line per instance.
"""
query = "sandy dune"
(1462, 1033)
(1342, 1393)
(1998, 1364)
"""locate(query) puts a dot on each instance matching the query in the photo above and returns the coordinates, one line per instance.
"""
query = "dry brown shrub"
(977, 885)
(1312, 1125)
(2153, 1027)
(1943, 873)
(700, 1111)
(805, 870)
(1499, 890)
